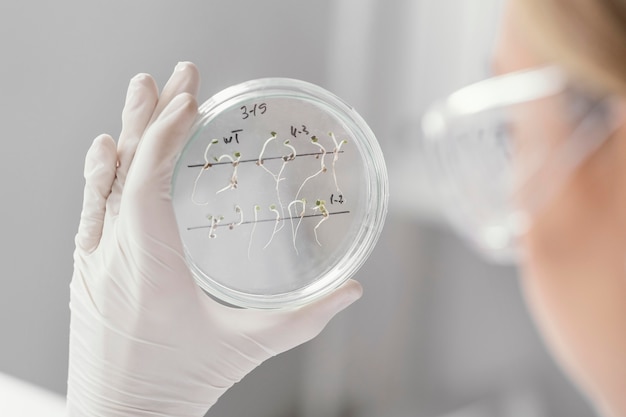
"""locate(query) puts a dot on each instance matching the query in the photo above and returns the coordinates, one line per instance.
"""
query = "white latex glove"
(145, 340)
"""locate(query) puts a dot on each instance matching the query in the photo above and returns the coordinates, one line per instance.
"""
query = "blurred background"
(438, 333)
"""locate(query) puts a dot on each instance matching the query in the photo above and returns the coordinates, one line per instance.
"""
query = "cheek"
(584, 223)
(574, 275)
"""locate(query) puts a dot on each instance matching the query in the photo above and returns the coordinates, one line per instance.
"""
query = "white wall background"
(437, 333)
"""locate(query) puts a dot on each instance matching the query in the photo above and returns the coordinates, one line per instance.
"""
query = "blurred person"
(146, 341)
(558, 206)
(574, 270)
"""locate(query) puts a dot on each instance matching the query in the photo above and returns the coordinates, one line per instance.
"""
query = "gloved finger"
(141, 100)
(316, 315)
(146, 199)
(301, 325)
(184, 79)
(162, 142)
(100, 167)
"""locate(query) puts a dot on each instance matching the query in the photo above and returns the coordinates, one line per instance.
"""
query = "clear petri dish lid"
(280, 193)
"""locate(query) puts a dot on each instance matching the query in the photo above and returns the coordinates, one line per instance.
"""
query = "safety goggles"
(500, 149)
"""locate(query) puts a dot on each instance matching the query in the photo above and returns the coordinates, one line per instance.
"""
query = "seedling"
(260, 162)
(322, 169)
(276, 224)
(320, 205)
(235, 163)
(286, 158)
(206, 166)
(257, 208)
(239, 211)
(294, 231)
(336, 157)
(214, 222)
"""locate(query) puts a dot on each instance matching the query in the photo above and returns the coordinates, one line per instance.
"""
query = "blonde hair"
(587, 37)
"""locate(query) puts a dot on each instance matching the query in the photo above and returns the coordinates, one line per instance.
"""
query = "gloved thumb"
(308, 321)
(100, 167)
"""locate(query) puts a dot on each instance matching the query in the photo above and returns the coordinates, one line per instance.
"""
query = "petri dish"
(280, 194)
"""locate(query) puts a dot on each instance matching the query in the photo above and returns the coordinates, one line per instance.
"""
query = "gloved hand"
(144, 339)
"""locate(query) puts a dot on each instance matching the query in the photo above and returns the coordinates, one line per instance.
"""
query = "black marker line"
(243, 161)
(267, 220)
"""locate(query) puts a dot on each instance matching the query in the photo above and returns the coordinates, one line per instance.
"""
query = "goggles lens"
(501, 148)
